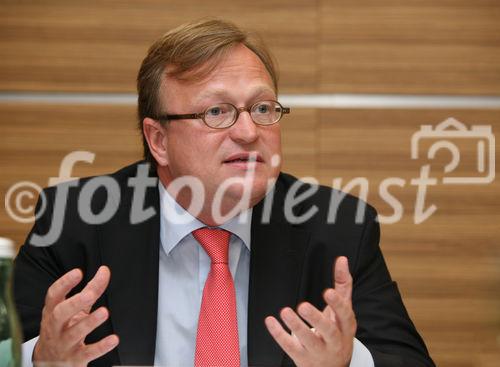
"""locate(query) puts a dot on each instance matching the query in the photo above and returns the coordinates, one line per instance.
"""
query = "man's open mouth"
(244, 158)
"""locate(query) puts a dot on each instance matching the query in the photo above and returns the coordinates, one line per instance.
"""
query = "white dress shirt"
(184, 268)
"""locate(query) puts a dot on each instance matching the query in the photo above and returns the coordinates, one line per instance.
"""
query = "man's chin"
(235, 200)
(243, 190)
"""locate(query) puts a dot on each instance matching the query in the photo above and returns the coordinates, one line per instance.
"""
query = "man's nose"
(244, 130)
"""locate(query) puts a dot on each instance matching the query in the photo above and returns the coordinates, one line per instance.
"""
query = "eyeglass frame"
(201, 115)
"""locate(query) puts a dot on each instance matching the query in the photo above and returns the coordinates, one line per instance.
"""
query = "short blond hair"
(186, 48)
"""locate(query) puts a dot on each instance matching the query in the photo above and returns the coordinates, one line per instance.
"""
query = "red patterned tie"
(217, 339)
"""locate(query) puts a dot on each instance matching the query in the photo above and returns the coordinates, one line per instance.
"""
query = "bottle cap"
(7, 248)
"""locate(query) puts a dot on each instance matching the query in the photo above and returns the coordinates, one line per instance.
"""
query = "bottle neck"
(5, 273)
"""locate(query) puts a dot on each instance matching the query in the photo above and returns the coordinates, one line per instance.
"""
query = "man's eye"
(263, 108)
(214, 111)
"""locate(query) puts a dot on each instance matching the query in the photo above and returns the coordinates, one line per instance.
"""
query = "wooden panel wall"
(415, 46)
(448, 268)
(82, 45)
(388, 46)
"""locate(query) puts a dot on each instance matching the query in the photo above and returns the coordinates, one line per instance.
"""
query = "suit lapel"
(132, 253)
(277, 257)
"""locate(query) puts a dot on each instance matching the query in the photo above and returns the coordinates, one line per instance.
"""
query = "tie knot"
(215, 242)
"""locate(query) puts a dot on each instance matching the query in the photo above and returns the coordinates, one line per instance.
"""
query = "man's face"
(215, 155)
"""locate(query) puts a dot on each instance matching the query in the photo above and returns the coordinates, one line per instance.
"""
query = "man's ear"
(156, 137)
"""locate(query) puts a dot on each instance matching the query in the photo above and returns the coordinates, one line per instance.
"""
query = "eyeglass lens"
(225, 114)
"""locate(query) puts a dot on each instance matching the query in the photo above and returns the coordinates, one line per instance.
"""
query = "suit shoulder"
(121, 176)
(95, 192)
(325, 198)
(97, 183)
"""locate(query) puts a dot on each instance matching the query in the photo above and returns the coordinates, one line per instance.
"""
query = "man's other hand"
(330, 340)
(67, 321)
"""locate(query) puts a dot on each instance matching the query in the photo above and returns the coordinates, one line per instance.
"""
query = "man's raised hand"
(330, 340)
(67, 321)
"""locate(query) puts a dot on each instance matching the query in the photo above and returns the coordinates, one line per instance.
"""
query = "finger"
(70, 308)
(76, 318)
(328, 312)
(96, 287)
(301, 330)
(61, 287)
(90, 352)
(323, 325)
(343, 311)
(80, 330)
(287, 342)
(83, 301)
(342, 279)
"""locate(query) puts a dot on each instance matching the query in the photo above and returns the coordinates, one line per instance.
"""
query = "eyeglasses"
(224, 115)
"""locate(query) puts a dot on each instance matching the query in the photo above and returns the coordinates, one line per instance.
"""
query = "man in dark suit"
(209, 117)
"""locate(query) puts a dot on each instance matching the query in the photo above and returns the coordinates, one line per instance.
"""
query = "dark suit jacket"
(290, 263)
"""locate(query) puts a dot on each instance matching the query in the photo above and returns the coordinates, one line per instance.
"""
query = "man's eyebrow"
(209, 94)
(223, 94)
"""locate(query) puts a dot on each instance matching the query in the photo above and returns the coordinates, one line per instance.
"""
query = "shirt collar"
(177, 223)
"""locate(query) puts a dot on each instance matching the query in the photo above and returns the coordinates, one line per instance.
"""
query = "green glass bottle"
(10, 328)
